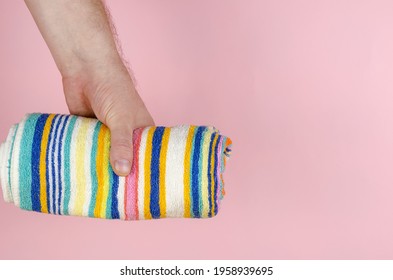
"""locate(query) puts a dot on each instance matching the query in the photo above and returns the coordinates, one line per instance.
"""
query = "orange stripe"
(100, 170)
(43, 163)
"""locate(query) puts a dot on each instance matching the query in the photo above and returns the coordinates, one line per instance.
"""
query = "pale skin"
(96, 82)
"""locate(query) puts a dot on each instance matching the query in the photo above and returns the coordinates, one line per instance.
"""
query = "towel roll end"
(5, 155)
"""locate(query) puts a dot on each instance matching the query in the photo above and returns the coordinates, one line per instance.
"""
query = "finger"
(121, 148)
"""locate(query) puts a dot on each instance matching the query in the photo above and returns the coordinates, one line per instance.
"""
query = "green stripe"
(67, 163)
(25, 179)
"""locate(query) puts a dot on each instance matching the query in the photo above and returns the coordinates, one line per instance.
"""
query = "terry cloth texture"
(59, 164)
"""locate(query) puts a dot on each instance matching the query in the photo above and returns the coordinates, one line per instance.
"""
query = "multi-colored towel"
(59, 164)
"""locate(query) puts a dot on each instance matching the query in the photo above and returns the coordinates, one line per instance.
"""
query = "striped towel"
(59, 164)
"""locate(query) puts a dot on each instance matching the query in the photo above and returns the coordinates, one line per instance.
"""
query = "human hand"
(109, 95)
(96, 82)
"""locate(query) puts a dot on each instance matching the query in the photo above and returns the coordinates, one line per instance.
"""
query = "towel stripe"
(203, 175)
(120, 198)
(50, 164)
(25, 162)
(35, 163)
(60, 160)
(216, 181)
(174, 181)
(211, 173)
(141, 175)
(131, 197)
(187, 172)
(155, 172)
(106, 172)
(93, 169)
(67, 165)
(195, 173)
(57, 165)
(162, 172)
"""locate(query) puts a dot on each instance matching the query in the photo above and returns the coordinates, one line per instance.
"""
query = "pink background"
(304, 89)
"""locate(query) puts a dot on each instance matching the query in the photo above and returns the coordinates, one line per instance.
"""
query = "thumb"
(121, 147)
(122, 128)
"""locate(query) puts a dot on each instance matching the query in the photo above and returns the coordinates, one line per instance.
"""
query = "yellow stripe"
(212, 173)
(80, 166)
(100, 170)
(164, 149)
(205, 160)
(44, 144)
(187, 172)
(148, 151)
(106, 169)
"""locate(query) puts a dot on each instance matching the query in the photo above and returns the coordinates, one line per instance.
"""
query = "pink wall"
(305, 90)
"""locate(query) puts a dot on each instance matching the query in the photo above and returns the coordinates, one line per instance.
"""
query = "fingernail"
(123, 167)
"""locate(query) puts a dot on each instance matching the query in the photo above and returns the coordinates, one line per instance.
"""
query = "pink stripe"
(218, 173)
(131, 197)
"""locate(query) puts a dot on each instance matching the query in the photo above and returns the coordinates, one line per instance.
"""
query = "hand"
(96, 83)
(110, 96)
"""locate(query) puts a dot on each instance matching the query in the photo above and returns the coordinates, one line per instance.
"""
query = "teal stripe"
(202, 157)
(25, 162)
(10, 157)
(67, 163)
(93, 168)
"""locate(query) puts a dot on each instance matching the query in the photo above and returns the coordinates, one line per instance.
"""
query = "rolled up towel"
(59, 164)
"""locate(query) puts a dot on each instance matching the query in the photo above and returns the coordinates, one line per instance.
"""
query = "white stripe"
(63, 163)
(56, 159)
(174, 178)
(15, 162)
(50, 155)
(88, 149)
(141, 175)
(120, 197)
(4, 160)
(73, 165)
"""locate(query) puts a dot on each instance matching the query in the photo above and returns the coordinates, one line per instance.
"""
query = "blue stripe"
(35, 162)
(60, 161)
(108, 214)
(115, 188)
(93, 168)
(155, 172)
(195, 173)
(54, 186)
(216, 183)
(209, 177)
